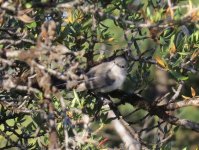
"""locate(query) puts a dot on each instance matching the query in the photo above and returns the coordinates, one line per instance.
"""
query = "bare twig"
(130, 142)
(177, 93)
(183, 103)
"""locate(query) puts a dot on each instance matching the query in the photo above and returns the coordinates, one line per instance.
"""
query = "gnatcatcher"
(105, 77)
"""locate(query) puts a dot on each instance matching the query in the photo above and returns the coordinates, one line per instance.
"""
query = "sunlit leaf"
(160, 61)
(184, 53)
(31, 25)
(172, 49)
(194, 55)
(77, 99)
(171, 12)
(197, 147)
(194, 16)
(185, 97)
(110, 39)
(10, 122)
(185, 148)
(73, 16)
(69, 114)
(28, 5)
(193, 92)
(148, 11)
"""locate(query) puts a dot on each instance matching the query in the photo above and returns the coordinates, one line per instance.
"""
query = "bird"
(105, 77)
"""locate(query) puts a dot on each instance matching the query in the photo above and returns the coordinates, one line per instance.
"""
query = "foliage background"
(45, 43)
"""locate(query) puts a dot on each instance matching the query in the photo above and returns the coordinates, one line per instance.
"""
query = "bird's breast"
(120, 75)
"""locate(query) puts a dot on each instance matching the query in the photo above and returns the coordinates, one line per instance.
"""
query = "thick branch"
(184, 103)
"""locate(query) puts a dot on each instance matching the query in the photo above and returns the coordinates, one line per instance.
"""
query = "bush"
(47, 46)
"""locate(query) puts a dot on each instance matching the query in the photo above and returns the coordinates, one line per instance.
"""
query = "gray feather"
(105, 77)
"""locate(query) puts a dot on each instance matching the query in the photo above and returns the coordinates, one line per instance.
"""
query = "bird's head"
(120, 62)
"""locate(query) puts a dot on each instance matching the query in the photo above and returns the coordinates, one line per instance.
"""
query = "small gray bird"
(105, 77)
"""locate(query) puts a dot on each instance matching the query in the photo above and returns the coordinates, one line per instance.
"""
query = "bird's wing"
(98, 79)
(98, 69)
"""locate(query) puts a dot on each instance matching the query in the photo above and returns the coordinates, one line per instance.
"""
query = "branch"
(187, 18)
(177, 93)
(160, 111)
(183, 103)
(121, 128)
(179, 122)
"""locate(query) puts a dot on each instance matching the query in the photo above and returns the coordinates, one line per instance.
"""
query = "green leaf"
(162, 41)
(168, 33)
(76, 99)
(178, 76)
(176, 129)
(184, 53)
(10, 122)
(28, 5)
(148, 11)
(177, 63)
(31, 25)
